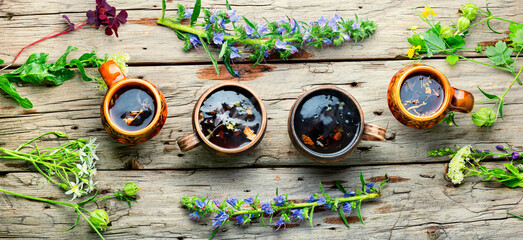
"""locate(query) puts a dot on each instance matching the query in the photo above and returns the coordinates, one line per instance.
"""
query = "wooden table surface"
(418, 204)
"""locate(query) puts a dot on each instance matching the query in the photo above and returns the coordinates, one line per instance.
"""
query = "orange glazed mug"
(133, 110)
(420, 96)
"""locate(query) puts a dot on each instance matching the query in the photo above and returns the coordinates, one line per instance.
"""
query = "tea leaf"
(489, 96)
(214, 62)
(342, 215)
(196, 12)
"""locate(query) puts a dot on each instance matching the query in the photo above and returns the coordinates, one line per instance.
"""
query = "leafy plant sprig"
(98, 219)
(449, 40)
(466, 162)
(282, 38)
(247, 210)
(71, 166)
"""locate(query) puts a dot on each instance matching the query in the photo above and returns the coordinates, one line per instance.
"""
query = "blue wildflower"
(281, 30)
(321, 201)
(266, 54)
(195, 215)
(232, 15)
(355, 25)
(313, 199)
(515, 155)
(214, 16)
(207, 26)
(333, 23)
(240, 219)
(279, 223)
(281, 21)
(293, 26)
(350, 194)
(218, 38)
(223, 24)
(280, 200)
(188, 13)
(249, 30)
(200, 203)
(347, 207)
(219, 219)
(306, 36)
(217, 203)
(297, 213)
(266, 207)
(500, 147)
(327, 41)
(262, 28)
(280, 45)
(322, 21)
(235, 54)
(328, 206)
(293, 49)
(346, 37)
(370, 185)
(248, 200)
(194, 40)
(232, 201)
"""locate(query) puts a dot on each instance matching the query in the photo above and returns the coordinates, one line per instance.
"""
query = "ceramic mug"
(221, 120)
(326, 124)
(119, 86)
(434, 98)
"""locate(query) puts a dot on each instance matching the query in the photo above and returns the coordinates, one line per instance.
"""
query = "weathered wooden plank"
(74, 108)
(419, 203)
(149, 43)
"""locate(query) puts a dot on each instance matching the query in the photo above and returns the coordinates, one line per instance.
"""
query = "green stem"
(90, 223)
(185, 28)
(502, 19)
(34, 139)
(104, 197)
(485, 64)
(513, 81)
(39, 199)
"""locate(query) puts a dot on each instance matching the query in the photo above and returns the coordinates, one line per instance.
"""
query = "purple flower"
(297, 213)
(346, 37)
(495, 156)
(279, 223)
(223, 24)
(249, 201)
(188, 13)
(333, 22)
(71, 25)
(293, 26)
(219, 219)
(218, 38)
(195, 215)
(347, 207)
(280, 200)
(249, 30)
(281, 21)
(232, 15)
(240, 219)
(306, 36)
(293, 49)
(217, 203)
(235, 54)
(500, 147)
(515, 155)
(213, 17)
(313, 199)
(486, 151)
(355, 25)
(328, 206)
(266, 54)
(232, 201)
(199, 203)
(322, 21)
(350, 193)
(262, 28)
(266, 207)
(280, 45)
(194, 40)
(327, 41)
(321, 201)
(280, 30)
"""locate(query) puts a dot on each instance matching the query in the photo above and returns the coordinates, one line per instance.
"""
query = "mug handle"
(372, 132)
(189, 142)
(111, 73)
(462, 101)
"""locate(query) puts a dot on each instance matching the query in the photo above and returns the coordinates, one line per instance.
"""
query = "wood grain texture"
(415, 205)
(26, 21)
(74, 109)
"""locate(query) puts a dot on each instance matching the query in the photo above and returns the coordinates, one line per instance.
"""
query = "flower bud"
(100, 219)
(131, 188)
(469, 11)
(60, 134)
(445, 32)
(463, 23)
(484, 117)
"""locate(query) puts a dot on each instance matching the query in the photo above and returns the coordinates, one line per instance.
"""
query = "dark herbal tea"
(230, 117)
(327, 121)
(422, 94)
(132, 108)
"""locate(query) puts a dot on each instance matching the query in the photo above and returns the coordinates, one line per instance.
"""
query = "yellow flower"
(412, 51)
(427, 11)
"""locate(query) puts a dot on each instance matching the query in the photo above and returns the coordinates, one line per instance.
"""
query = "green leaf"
(358, 210)
(204, 44)
(62, 61)
(260, 56)
(223, 50)
(249, 22)
(452, 59)
(512, 182)
(60, 76)
(310, 216)
(164, 6)
(416, 40)
(1, 61)
(321, 189)
(227, 5)
(277, 192)
(228, 66)
(76, 223)
(512, 169)
(340, 187)
(362, 180)
(434, 42)
(516, 35)
(489, 96)
(342, 215)
(384, 182)
(456, 42)
(500, 109)
(196, 11)
(499, 54)
(34, 72)
(80, 66)
(10, 89)
(263, 221)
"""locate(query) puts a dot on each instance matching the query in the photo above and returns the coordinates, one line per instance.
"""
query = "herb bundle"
(466, 162)
(281, 38)
(251, 209)
(449, 40)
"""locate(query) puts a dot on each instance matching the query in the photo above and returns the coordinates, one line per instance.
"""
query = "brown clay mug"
(228, 119)
(420, 96)
(133, 110)
(326, 124)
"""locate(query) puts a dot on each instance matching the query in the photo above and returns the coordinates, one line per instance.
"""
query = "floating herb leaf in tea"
(327, 121)
(230, 117)
(132, 108)
(422, 94)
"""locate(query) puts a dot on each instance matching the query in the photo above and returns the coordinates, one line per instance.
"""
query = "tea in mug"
(132, 108)
(327, 121)
(230, 117)
(422, 94)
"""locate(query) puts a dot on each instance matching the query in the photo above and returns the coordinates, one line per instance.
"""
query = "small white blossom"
(457, 165)
(120, 59)
(76, 189)
(91, 185)
(83, 169)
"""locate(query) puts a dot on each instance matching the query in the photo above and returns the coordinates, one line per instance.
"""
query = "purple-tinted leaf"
(108, 31)
(115, 31)
(122, 16)
(71, 25)
(111, 11)
(91, 17)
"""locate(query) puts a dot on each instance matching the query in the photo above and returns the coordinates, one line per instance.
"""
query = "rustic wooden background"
(419, 203)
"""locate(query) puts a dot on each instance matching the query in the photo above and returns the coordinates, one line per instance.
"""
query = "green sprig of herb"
(449, 40)
(247, 210)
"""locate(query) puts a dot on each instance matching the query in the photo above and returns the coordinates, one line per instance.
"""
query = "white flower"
(120, 59)
(91, 186)
(457, 165)
(76, 189)
(83, 169)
